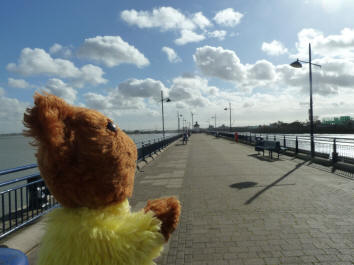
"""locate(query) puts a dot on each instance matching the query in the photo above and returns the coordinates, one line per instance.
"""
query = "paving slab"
(241, 208)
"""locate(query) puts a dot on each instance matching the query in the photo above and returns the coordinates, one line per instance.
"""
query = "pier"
(241, 208)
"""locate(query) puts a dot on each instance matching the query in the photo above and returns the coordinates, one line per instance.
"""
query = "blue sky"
(116, 56)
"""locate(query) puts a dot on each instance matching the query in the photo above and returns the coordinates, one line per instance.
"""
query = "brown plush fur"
(83, 163)
(168, 211)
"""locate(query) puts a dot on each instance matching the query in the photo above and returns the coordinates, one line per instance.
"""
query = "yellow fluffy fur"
(112, 235)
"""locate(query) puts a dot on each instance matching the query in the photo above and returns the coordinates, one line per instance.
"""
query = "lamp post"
(177, 122)
(230, 113)
(179, 115)
(297, 64)
(214, 117)
(163, 118)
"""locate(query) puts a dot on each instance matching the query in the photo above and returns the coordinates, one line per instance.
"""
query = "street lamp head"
(225, 108)
(296, 64)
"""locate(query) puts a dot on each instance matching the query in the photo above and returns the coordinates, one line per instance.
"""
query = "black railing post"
(296, 145)
(334, 153)
(275, 138)
(16, 223)
(3, 212)
(284, 141)
(35, 193)
(142, 150)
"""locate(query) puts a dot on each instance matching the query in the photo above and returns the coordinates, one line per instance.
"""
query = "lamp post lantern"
(163, 118)
(297, 64)
(230, 113)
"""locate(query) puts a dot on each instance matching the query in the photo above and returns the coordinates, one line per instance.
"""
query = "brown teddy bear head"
(85, 160)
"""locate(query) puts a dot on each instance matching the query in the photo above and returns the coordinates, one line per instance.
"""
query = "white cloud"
(11, 114)
(111, 51)
(55, 48)
(38, 62)
(331, 6)
(171, 19)
(225, 64)
(59, 49)
(228, 17)
(262, 70)
(219, 34)
(126, 111)
(2, 91)
(115, 104)
(142, 88)
(97, 101)
(193, 91)
(171, 54)
(221, 63)
(90, 74)
(188, 36)
(18, 83)
(165, 18)
(200, 20)
(336, 46)
(60, 89)
(140, 100)
(274, 48)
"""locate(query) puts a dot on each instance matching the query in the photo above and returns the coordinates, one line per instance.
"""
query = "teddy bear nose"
(111, 126)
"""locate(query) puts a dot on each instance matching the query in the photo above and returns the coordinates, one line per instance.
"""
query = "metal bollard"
(296, 145)
(334, 153)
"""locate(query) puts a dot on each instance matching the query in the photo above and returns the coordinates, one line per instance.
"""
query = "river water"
(15, 150)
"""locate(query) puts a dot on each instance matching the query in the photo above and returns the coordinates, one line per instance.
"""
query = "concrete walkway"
(239, 208)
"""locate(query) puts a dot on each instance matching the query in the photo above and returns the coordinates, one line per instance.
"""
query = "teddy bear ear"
(45, 120)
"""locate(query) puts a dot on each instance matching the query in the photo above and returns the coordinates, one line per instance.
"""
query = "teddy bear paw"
(167, 210)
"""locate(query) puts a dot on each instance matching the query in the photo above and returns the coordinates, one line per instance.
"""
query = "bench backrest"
(272, 145)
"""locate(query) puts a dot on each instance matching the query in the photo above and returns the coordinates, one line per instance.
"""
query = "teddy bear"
(88, 164)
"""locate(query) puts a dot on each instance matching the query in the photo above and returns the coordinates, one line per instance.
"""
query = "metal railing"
(153, 146)
(26, 198)
(332, 148)
(22, 200)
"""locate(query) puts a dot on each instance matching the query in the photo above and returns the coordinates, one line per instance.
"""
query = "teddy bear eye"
(111, 126)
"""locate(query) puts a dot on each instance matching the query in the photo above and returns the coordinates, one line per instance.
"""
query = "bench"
(270, 146)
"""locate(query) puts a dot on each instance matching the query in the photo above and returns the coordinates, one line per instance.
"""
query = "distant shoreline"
(10, 134)
(127, 132)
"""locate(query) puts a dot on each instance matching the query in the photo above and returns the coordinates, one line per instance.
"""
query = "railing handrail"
(19, 179)
(25, 202)
(17, 169)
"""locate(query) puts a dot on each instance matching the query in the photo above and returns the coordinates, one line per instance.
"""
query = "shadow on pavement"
(243, 185)
(180, 144)
(249, 201)
(250, 184)
(263, 158)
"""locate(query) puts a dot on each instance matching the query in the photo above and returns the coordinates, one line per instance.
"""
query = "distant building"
(336, 120)
(196, 127)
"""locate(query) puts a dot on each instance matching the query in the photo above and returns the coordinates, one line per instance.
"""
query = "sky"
(116, 56)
